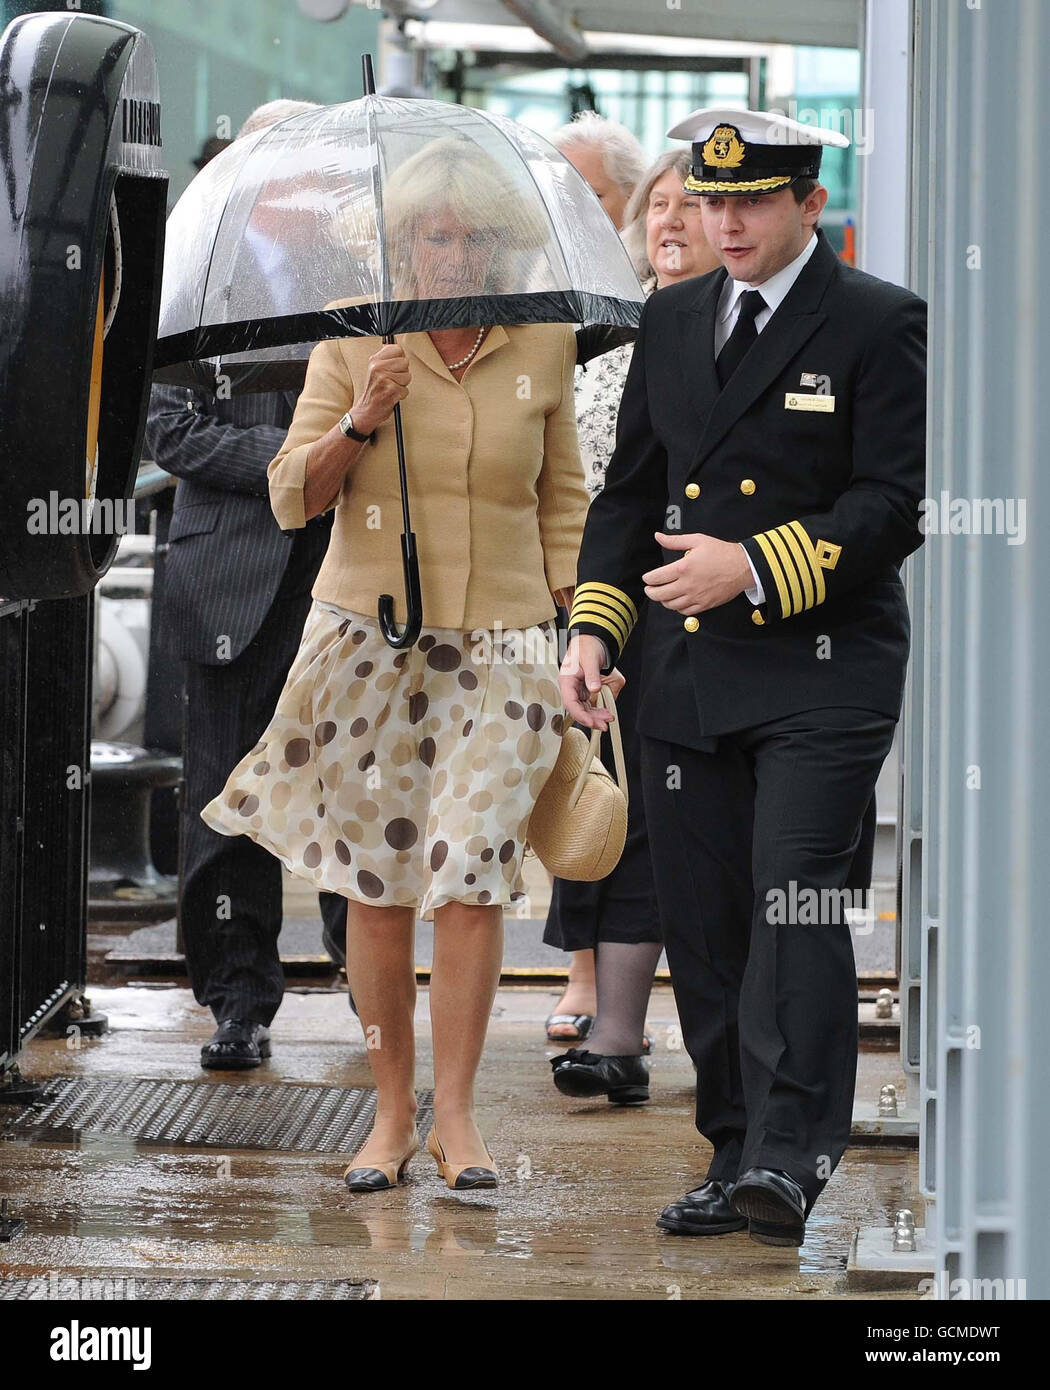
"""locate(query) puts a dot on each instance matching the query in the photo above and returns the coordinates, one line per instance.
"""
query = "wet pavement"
(573, 1218)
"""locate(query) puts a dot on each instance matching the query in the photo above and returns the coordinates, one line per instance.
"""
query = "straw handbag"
(579, 822)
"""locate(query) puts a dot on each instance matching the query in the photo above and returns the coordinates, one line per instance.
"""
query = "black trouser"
(768, 1009)
(231, 890)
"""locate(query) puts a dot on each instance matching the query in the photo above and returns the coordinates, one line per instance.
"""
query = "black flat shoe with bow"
(236, 1045)
(706, 1211)
(625, 1080)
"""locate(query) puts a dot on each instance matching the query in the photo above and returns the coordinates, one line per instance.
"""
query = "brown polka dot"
(467, 727)
(426, 642)
(320, 810)
(438, 855)
(358, 727)
(475, 844)
(261, 769)
(312, 855)
(324, 733)
(248, 805)
(418, 705)
(343, 626)
(366, 761)
(557, 722)
(400, 660)
(366, 810)
(486, 854)
(496, 732)
(364, 669)
(470, 878)
(516, 897)
(536, 716)
(506, 851)
(513, 710)
(444, 657)
(358, 637)
(512, 776)
(427, 750)
(484, 896)
(404, 784)
(297, 752)
(401, 833)
(280, 796)
(480, 801)
(468, 680)
(369, 884)
(528, 747)
(342, 851)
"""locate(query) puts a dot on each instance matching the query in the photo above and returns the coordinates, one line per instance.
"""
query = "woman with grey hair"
(607, 155)
(617, 917)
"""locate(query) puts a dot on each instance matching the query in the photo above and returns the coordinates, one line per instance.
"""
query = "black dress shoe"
(774, 1204)
(625, 1080)
(236, 1045)
(706, 1211)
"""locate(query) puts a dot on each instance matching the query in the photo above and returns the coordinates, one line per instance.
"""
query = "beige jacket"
(495, 480)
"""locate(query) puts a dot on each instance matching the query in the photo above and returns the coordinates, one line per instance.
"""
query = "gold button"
(692, 489)
(757, 618)
(747, 487)
(691, 624)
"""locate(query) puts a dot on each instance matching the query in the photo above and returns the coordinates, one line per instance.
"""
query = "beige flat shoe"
(461, 1176)
(377, 1177)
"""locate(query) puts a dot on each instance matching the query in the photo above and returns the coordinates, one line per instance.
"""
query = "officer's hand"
(580, 679)
(710, 573)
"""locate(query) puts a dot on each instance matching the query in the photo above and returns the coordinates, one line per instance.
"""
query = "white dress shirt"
(774, 291)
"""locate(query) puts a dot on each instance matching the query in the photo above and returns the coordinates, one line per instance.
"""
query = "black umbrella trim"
(393, 316)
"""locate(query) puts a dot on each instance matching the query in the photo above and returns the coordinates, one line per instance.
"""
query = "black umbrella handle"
(413, 600)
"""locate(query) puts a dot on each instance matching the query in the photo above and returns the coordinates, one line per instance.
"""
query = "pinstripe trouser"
(231, 890)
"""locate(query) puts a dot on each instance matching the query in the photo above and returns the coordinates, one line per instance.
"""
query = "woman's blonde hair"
(456, 175)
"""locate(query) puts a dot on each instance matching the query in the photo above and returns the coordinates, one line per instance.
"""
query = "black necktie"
(742, 336)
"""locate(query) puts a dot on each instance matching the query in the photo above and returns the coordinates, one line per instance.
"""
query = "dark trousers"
(230, 909)
(768, 1007)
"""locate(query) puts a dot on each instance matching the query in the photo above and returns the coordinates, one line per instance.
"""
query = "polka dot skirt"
(402, 778)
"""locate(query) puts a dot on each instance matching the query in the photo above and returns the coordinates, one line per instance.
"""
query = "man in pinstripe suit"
(237, 593)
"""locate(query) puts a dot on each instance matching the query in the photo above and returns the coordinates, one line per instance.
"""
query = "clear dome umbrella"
(376, 217)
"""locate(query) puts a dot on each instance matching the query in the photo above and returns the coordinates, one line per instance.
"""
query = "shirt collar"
(774, 290)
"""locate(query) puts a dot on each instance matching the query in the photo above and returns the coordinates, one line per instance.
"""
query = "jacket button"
(747, 487)
(691, 624)
(757, 618)
(692, 489)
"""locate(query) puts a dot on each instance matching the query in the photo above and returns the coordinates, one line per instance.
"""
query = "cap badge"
(725, 149)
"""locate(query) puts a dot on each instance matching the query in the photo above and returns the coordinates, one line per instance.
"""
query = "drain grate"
(313, 1119)
(99, 1290)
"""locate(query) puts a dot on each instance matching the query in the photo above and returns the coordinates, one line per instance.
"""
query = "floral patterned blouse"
(598, 388)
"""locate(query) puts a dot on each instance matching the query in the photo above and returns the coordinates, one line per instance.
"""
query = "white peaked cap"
(758, 127)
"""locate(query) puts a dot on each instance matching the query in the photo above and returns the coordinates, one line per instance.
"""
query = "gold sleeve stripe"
(773, 561)
(789, 570)
(601, 617)
(802, 563)
(594, 588)
(809, 551)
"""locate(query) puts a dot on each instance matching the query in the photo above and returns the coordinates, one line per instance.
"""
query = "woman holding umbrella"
(405, 778)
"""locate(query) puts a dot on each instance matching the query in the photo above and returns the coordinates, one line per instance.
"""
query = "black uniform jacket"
(824, 500)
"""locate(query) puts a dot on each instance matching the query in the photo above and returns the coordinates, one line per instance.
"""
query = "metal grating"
(314, 1119)
(90, 1289)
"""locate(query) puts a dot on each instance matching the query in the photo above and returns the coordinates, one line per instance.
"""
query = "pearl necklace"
(455, 366)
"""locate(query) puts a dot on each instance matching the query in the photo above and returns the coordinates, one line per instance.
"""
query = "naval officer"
(761, 499)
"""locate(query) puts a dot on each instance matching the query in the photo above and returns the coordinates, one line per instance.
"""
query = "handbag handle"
(607, 700)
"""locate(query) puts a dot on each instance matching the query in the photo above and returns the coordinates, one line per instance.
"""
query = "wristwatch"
(346, 426)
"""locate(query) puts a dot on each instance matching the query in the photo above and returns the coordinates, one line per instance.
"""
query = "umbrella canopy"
(411, 215)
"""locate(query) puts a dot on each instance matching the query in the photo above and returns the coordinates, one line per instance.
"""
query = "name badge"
(792, 402)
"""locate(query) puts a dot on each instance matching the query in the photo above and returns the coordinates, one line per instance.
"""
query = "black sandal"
(583, 1023)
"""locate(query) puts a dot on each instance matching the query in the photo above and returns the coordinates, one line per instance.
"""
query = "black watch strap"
(346, 427)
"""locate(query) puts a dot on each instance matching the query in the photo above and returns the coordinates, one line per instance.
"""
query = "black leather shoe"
(774, 1205)
(706, 1211)
(625, 1080)
(236, 1045)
